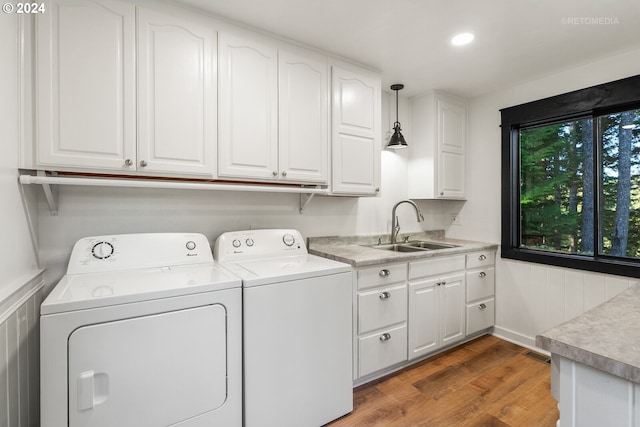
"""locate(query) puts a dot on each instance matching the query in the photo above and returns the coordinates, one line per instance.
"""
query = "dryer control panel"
(132, 251)
(248, 244)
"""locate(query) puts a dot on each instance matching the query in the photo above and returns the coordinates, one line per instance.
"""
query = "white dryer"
(143, 330)
(297, 329)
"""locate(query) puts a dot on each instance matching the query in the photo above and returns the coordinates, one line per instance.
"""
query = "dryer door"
(155, 370)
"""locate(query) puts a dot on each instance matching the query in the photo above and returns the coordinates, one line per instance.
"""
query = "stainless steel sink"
(398, 248)
(413, 246)
(429, 245)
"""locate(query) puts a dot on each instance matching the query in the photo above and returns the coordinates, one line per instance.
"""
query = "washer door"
(155, 370)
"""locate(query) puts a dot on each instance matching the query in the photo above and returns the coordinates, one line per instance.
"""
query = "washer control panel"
(236, 245)
(130, 251)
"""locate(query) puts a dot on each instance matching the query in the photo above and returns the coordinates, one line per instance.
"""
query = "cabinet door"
(451, 149)
(303, 114)
(452, 308)
(248, 109)
(86, 85)
(176, 87)
(356, 118)
(423, 317)
(382, 349)
(480, 315)
(381, 308)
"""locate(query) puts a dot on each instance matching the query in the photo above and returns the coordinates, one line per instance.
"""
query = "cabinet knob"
(482, 306)
(384, 273)
(128, 162)
(385, 295)
(482, 274)
(274, 173)
(143, 163)
(377, 189)
(284, 173)
(385, 337)
(482, 257)
(442, 193)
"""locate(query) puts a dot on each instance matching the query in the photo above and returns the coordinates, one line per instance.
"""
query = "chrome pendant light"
(397, 140)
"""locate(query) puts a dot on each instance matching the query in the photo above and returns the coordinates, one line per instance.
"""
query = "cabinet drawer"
(381, 308)
(381, 275)
(382, 350)
(431, 267)
(481, 259)
(480, 315)
(480, 284)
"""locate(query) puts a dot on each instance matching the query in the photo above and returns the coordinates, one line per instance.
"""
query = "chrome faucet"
(395, 225)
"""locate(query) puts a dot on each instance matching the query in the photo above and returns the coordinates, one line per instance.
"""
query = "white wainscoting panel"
(531, 298)
(20, 355)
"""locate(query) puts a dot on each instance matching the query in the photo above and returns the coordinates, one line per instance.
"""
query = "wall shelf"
(47, 181)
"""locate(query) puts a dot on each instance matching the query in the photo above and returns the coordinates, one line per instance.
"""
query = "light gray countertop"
(353, 249)
(606, 337)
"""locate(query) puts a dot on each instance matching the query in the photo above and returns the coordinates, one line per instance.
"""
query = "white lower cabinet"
(382, 349)
(436, 304)
(381, 317)
(480, 297)
(407, 311)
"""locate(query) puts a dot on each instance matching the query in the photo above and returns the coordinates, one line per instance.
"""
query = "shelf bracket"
(303, 202)
(51, 194)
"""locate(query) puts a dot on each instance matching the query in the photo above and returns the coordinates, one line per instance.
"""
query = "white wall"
(87, 211)
(530, 297)
(19, 282)
(18, 258)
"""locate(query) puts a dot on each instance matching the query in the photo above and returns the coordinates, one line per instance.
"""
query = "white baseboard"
(518, 339)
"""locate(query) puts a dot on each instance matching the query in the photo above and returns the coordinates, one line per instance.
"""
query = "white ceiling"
(408, 40)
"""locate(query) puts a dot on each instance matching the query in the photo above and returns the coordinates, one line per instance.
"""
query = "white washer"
(297, 329)
(143, 330)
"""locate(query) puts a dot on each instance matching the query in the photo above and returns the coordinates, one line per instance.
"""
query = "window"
(571, 179)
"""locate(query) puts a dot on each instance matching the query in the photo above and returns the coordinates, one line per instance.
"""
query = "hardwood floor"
(486, 382)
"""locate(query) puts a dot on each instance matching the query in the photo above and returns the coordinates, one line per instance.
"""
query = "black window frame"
(606, 98)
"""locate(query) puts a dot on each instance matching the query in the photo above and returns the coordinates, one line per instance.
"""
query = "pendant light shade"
(397, 139)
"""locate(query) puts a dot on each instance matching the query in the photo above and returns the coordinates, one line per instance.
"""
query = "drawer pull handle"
(482, 274)
(384, 295)
(482, 257)
(384, 273)
(482, 306)
(385, 337)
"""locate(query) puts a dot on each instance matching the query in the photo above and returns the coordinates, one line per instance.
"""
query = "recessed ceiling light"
(462, 39)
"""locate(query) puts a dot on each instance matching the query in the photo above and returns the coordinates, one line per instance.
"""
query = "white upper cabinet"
(89, 116)
(86, 85)
(437, 167)
(248, 106)
(273, 113)
(176, 94)
(303, 116)
(356, 136)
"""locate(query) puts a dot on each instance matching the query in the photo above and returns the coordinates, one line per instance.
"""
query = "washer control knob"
(249, 242)
(191, 245)
(236, 243)
(288, 239)
(102, 250)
